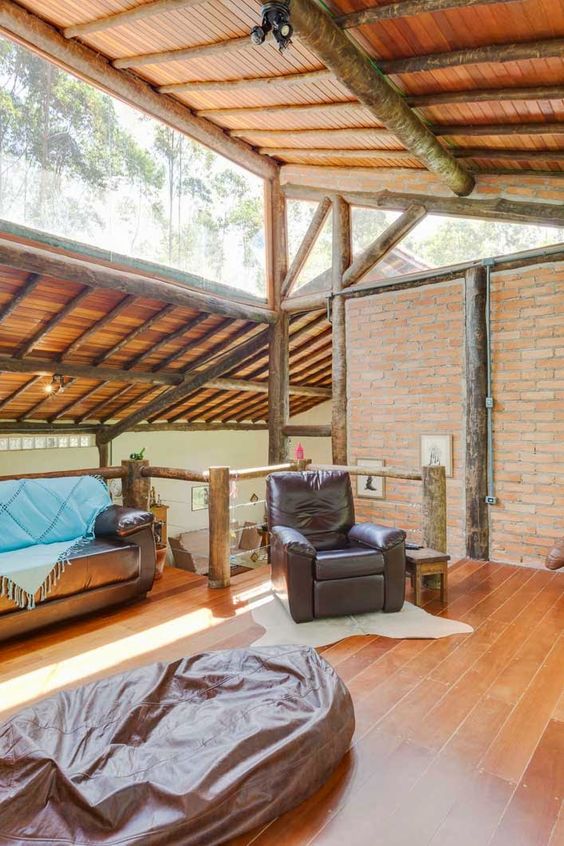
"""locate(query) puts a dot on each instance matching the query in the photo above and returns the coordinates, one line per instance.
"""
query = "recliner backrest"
(318, 503)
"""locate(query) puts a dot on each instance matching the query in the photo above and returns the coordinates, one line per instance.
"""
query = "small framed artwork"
(200, 497)
(436, 450)
(371, 487)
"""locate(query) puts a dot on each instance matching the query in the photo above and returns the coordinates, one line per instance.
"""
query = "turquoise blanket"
(42, 522)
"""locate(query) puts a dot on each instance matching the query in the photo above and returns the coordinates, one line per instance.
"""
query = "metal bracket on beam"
(329, 305)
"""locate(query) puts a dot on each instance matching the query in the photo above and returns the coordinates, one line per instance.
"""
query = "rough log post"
(354, 69)
(306, 246)
(341, 260)
(135, 487)
(279, 367)
(104, 452)
(219, 568)
(434, 508)
(475, 358)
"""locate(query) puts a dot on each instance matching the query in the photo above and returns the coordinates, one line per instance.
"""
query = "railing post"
(135, 487)
(103, 452)
(218, 510)
(434, 508)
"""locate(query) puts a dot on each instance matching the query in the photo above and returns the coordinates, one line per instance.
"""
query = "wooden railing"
(136, 483)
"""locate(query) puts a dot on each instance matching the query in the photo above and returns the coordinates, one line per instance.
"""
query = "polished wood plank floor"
(459, 741)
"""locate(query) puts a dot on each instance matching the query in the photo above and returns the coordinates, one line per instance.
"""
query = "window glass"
(319, 259)
(367, 225)
(80, 164)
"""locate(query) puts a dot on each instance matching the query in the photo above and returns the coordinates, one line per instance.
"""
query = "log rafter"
(41, 333)
(307, 244)
(247, 82)
(406, 8)
(138, 13)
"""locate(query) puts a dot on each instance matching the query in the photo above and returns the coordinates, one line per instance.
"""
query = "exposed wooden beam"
(341, 257)
(346, 155)
(475, 413)
(249, 386)
(40, 427)
(192, 343)
(132, 335)
(29, 286)
(520, 171)
(279, 81)
(128, 16)
(168, 338)
(406, 8)
(51, 324)
(190, 383)
(496, 53)
(319, 431)
(122, 306)
(74, 269)
(486, 95)
(368, 133)
(19, 391)
(549, 214)
(354, 69)
(91, 66)
(241, 111)
(47, 367)
(94, 412)
(512, 155)
(199, 51)
(382, 245)
(455, 130)
(77, 402)
(306, 246)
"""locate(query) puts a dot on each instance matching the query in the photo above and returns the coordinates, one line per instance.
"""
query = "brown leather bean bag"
(555, 558)
(192, 752)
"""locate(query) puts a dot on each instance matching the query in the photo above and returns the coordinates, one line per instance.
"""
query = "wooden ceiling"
(117, 352)
(486, 77)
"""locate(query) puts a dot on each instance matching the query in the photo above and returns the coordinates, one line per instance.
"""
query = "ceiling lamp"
(56, 385)
(275, 19)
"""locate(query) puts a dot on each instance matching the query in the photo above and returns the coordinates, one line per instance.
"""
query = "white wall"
(187, 450)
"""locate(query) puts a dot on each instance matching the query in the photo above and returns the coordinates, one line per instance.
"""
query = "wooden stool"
(427, 562)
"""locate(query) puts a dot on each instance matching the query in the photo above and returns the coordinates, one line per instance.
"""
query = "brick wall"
(405, 359)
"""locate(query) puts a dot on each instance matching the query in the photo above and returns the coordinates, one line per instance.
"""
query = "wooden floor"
(459, 741)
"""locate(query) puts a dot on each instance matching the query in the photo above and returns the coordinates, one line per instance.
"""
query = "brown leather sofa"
(117, 566)
(323, 563)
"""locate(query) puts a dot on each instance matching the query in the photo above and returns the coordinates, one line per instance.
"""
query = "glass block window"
(17, 442)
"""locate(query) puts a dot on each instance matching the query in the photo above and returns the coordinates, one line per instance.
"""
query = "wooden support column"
(135, 487)
(434, 508)
(341, 261)
(104, 452)
(219, 567)
(278, 358)
(476, 364)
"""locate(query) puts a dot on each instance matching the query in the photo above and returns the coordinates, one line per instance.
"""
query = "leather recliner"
(324, 564)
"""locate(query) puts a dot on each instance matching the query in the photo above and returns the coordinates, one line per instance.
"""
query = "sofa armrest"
(293, 540)
(121, 522)
(391, 543)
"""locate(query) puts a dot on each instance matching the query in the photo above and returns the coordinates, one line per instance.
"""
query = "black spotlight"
(275, 19)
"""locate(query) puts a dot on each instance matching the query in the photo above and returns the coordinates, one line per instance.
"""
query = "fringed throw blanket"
(42, 522)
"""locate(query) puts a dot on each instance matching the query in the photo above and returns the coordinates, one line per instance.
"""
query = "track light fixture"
(275, 19)
(56, 385)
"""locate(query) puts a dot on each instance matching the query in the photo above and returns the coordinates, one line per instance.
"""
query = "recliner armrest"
(119, 521)
(294, 541)
(375, 536)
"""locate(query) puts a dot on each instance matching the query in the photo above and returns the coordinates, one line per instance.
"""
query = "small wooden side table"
(427, 562)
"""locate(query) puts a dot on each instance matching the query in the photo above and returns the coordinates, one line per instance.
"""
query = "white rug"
(410, 622)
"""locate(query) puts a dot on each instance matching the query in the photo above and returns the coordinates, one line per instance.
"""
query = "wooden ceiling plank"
(215, 48)
(306, 246)
(74, 269)
(192, 344)
(94, 68)
(131, 336)
(383, 244)
(118, 309)
(190, 383)
(128, 16)
(29, 286)
(347, 155)
(51, 324)
(77, 402)
(513, 211)
(352, 67)
(19, 391)
(280, 81)
(490, 53)
(93, 413)
(248, 386)
(406, 8)
(168, 338)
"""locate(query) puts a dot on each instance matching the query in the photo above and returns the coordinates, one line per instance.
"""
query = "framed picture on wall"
(371, 487)
(436, 450)
(200, 497)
